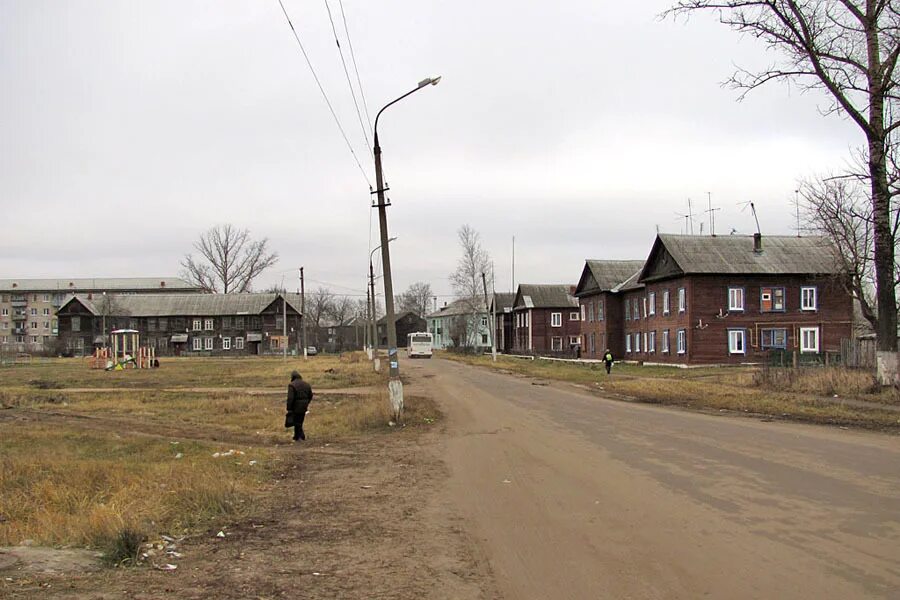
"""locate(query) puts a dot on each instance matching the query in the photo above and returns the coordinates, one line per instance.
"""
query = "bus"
(419, 344)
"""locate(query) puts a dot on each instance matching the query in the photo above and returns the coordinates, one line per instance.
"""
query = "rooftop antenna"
(797, 207)
(685, 217)
(712, 214)
(691, 216)
(753, 210)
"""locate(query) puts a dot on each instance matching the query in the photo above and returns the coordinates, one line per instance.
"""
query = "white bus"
(419, 344)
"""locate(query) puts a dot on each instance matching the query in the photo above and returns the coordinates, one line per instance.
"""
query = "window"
(599, 310)
(34, 311)
(208, 325)
(682, 300)
(484, 339)
(239, 343)
(34, 325)
(484, 321)
(651, 342)
(652, 297)
(556, 344)
(76, 323)
(807, 298)
(4, 312)
(527, 319)
(198, 343)
(736, 341)
(771, 299)
(809, 339)
(681, 341)
(46, 297)
(592, 342)
(574, 340)
(583, 312)
(636, 309)
(627, 310)
(34, 339)
(46, 312)
(591, 312)
(208, 343)
(239, 322)
(46, 324)
(664, 342)
(555, 319)
(773, 338)
(646, 312)
(637, 342)
(255, 323)
(573, 316)
(735, 299)
(665, 302)
(627, 343)
(226, 343)
(198, 325)
(226, 322)
(163, 324)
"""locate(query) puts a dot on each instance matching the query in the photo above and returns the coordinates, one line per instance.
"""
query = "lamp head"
(429, 81)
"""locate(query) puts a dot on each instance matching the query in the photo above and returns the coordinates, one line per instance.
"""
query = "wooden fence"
(858, 353)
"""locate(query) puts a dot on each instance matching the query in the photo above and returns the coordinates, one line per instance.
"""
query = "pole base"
(395, 393)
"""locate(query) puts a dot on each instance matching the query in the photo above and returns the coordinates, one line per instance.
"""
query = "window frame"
(239, 343)
(600, 310)
(772, 289)
(226, 343)
(573, 316)
(682, 300)
(651, 300)
(651, 342)
(803, 297)
(637, 342)
(628, 343)
(556, 319)
(208, 343)
(736, 293)
(681, 341)
(666, 301)
(196, 343)
(553, 344)
(208, 324)
(664, 347)
(197, 325)
(771, 344)
(737, 341)
(804, 349)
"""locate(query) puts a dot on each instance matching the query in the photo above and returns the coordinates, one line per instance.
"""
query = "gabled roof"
(632, 283)
(383, 319)
(605, 275)
(734, 255)
(182, 305)
(456, 308)
(86, 284)
(502, 301)
(545, 296)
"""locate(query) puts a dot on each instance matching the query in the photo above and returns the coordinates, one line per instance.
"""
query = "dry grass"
(247, 372)
(65, 487)
(802, 394)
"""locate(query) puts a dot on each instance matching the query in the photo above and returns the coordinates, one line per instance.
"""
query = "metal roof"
(459, 307)
(610, 273)
(734, 255)
(184, 305)
(632, 283)
(96, 284)
(545, 296)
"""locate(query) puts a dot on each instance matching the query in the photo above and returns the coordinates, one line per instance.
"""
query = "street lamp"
(395, 387)
(373, 329)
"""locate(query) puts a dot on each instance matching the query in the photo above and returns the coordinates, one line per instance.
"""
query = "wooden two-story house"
(546, 320)
(600, 293)
(732, 299)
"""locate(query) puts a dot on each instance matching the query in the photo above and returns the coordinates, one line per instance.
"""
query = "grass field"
(816, 395)
(87, 468)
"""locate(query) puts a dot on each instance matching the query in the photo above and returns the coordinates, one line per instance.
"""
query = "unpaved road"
(572, 496)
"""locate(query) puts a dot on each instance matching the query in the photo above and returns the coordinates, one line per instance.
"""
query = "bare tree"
(849, 49)
(467, 278)
(318, 305)
(229, 260)
(416, 299)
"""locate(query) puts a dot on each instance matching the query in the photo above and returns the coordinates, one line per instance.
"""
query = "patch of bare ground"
(355, 517)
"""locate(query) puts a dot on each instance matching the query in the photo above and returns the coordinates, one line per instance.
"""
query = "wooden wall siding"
(542, 331)
(663, 266)
(608, 333)
(708, 295)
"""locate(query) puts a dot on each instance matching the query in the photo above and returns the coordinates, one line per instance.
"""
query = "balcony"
(19, 316)
(19, 331)
(18, 301)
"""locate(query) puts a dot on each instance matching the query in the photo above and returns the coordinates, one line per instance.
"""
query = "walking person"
(608, 360)
(299, 396)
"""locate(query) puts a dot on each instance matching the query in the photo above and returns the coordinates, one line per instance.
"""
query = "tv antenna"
(712, 214)
(797, 208)
(753, 210)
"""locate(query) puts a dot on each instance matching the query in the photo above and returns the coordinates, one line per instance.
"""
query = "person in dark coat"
(608, 360)
(299, 396)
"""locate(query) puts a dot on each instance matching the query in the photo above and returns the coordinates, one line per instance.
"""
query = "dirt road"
(572, 496)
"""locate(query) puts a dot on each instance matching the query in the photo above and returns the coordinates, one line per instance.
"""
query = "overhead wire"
(362, 94)
(324, 95)
(347, 75)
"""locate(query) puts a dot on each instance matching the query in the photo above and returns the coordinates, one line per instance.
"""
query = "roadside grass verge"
(60, 486)
(324, 371)
(801, 394)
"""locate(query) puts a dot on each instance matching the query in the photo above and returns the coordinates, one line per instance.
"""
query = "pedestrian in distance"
(608, 360)
(299, 396)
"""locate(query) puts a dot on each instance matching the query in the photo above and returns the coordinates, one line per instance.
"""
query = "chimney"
(162, 284)
(757, 242)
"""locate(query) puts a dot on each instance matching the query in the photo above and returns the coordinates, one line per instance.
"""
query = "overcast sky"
(127, 128)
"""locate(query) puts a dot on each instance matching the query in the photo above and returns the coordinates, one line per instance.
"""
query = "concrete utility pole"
(303, 313)
(284, 337)
(395, 386)
(490, 319)
(366, 341)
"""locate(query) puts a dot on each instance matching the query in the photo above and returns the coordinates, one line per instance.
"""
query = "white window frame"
(574, 340)
(599, 310)
(737, 341)
(556, 343)
(681, 341)
(651, 342)
(637, 342)
(573, 316)
(652, 300)
(682, 300)
(197, 344)
(809, 298)
(556, 319)
(34, 311)
(238, 343)
(664, 342)
(208, 343)
(46, 312)
(484, 321)
(226, 343)
(4, 312)
(198, 325)
(645, 307)
(208, 324)
(804, 346)
(665, 301)
(736, 299)
(627, 343)
(583, 312)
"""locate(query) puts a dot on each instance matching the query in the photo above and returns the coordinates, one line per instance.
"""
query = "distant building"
(343, 338)
(185, 324)
(460, 324)
(28, 321)
(408, 322)
(501, 310)
(546, 320)
(599, 292)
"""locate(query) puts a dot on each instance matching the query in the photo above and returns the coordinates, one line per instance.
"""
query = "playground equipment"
(126, 352)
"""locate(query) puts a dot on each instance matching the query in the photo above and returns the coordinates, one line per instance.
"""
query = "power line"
(347, 75)
(324, 95)
(362, 95)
